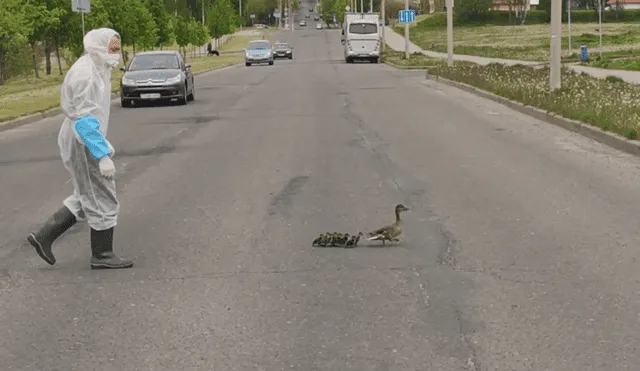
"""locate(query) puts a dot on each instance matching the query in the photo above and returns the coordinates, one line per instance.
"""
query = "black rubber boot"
(102, 251)
(53, 228)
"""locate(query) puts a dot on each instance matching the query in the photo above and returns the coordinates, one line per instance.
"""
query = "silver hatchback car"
(258, 51)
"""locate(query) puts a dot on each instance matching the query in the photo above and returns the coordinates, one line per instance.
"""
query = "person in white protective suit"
(86, 153)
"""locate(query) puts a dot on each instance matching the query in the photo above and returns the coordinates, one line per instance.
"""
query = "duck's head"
(401, 207)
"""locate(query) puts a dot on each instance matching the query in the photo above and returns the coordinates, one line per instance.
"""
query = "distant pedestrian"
(86, 153)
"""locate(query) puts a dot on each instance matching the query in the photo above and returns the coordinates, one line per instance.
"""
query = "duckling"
(389, 232)
(338, 239)
(344, 240)
(353, 241)
(320, 240)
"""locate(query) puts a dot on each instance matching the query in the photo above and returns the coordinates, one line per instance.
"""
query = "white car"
(318, 26)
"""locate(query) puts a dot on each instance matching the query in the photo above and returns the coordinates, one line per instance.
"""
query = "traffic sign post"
(406, 16)
(82, 7)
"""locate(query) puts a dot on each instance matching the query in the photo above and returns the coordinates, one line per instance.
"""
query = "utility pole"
(280, 14)
(361, 6)
(370, 6)
(241, 17)
(383, 5)
(202, 13)
(600, 26)
(450, 33)
(569, 23)
(291, 18)
(406, 32)
(556, 45)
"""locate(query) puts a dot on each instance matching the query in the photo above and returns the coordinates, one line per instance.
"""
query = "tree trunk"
(58, 58)
(134, 48)
(34, 60)
(47, 57)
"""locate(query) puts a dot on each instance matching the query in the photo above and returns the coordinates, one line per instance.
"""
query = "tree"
(198, 34)
(182, 34)
(161, 17)
(13, 28)
(43, 21)
(220, 19)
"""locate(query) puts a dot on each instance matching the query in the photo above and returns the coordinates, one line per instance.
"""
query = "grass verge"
(44, 98)
(610, 104)
(529, 42)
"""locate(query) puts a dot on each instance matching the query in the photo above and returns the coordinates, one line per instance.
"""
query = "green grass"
(529, 42)
(237, 43)
(46, 97)
(610, 104)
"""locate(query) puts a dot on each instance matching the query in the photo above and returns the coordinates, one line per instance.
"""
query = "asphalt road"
(519, 252)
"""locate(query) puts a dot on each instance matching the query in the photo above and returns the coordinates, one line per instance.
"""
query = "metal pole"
(450, 33)
(406, 32)
(241, 18)
(291, 18)
(370, 6)
(569, 23)
(82, 16)
(361, 6)
(600, 26)
(556, 45)
(280, 18)
(383, 5)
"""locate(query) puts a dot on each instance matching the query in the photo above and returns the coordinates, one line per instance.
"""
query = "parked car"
(157, 75)
(302, 23)
(283, 50)
(258, 51)
(318, 26)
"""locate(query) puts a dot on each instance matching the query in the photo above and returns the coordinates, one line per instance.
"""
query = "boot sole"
(32, 240)
(110, 266)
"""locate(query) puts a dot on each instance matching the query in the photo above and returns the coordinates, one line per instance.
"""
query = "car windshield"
(154, 62)
(282, 46)
(258, 45)
(363, 28)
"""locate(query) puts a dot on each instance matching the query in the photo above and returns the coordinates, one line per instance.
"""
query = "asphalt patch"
(281, 202)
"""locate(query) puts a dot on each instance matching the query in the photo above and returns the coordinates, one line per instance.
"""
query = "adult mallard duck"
(389, 232)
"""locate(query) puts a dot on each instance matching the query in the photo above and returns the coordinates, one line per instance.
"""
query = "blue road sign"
(407, 16)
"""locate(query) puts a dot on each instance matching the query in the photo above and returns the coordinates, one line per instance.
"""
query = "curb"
(35, 117)
(607, 138)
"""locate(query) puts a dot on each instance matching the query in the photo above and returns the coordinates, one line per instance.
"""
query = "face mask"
(113, 60)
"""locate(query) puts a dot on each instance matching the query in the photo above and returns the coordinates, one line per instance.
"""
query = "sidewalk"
(396, 42)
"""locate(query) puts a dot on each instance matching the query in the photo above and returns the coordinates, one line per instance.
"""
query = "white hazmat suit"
(86, 153)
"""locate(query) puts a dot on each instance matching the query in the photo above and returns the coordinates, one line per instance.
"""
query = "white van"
(362, 41)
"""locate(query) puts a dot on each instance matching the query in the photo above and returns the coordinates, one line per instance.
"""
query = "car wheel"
(349, 60)
(192, 95)
(291, 56)
(125, 102)
(270, 63)
(375, 60)
(183, 100)
(247, 64)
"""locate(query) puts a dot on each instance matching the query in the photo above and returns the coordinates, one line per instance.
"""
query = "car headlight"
(247, 54)
(174, 80)
(128, 82)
